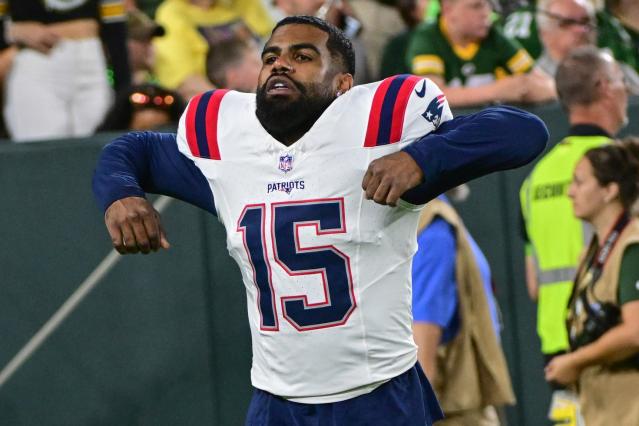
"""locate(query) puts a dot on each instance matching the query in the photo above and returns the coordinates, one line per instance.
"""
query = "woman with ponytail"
(603, 316)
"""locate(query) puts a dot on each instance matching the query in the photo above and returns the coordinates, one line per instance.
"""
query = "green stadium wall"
(164, 339)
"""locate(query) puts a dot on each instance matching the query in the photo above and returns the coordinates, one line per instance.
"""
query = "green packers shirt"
(431, 53)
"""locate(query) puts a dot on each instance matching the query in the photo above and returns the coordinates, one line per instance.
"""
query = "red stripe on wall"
(376, 112)
(191, 137)
(212, 111)
(399, 109)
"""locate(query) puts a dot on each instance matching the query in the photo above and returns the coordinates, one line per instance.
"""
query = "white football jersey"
(327, 272)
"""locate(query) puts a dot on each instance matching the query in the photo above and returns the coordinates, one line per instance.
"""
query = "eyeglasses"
(141, 99)
(565, 22)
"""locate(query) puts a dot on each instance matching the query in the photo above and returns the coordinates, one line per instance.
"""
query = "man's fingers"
(152, 228)
(367, 178)
(164, 241)
(116, 237)
(381, 192)
(141, 237)
(372, 185)
(128, 239)
(394, 194)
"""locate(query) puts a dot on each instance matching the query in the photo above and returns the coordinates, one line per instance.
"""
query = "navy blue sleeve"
(141, 162)
(470, 146)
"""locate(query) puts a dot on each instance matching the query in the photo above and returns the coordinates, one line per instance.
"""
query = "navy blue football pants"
(406, 400)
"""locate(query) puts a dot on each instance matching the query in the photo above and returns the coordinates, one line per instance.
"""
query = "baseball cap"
(141, 27)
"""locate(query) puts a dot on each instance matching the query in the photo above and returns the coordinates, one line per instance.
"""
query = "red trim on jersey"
(399, 108)
(212, 112)
(191, 136)
(376, 112)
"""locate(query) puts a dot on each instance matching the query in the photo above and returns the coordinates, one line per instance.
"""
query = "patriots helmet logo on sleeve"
(434, 110)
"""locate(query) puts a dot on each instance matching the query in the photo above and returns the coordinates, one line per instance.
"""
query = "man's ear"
(604, 88)
(344, 82)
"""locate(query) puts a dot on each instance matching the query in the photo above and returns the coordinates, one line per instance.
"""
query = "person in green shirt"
(627, 12)
(467, 55)
(522, 25)
(566, 24)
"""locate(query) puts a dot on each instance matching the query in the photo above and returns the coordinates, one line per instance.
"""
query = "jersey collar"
(587, 130)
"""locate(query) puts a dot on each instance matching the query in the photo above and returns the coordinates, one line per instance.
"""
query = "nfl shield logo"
(286, 163)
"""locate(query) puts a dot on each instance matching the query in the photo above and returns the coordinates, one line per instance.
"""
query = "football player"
(319, 186)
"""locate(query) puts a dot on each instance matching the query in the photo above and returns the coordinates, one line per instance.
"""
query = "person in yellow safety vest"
(591, 89)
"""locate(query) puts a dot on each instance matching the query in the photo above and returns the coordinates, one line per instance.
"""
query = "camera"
(601, 317)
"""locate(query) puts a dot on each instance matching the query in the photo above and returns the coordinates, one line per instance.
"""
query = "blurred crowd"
(70, 68)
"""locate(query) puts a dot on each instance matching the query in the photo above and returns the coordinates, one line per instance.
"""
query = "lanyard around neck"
(597, 262)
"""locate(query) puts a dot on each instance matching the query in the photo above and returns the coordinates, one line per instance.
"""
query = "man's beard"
(287, 121)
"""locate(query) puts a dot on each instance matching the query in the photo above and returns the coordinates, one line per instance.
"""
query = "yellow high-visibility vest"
(556, 238)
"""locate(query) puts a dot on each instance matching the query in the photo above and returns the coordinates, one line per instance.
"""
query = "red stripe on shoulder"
(212, 112)
(376, 112)
(191, 136)
(399, 108)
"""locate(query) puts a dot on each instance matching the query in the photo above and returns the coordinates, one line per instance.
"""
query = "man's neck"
(455, 36)
(594, 114)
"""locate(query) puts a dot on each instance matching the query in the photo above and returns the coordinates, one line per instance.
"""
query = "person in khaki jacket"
(455, 320)
(603, 318)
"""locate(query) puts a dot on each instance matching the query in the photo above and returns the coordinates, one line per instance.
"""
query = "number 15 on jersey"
(330, 264)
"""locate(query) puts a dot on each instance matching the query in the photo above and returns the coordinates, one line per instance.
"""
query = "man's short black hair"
(338, 44)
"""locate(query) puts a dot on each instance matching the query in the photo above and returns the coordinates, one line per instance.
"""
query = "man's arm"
(427, 337)
(531, 277)
(511, 88)
(137, 163)
(462, 149)
(532, 87)
(434, 293)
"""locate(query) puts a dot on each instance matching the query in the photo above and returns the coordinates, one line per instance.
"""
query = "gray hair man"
(566, 24)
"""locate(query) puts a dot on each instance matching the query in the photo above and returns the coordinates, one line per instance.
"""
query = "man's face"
(141, 54)
(297, 82)
(244, 75)
(471, 18)
(296, 63)
(618, 92)
(570, 26)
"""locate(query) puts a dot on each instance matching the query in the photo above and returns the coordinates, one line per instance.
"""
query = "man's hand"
(134, 226)
(388, 177)
(540, 87)
(511, 88)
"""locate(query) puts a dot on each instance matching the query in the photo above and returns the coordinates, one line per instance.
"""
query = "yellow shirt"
(181, 52)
